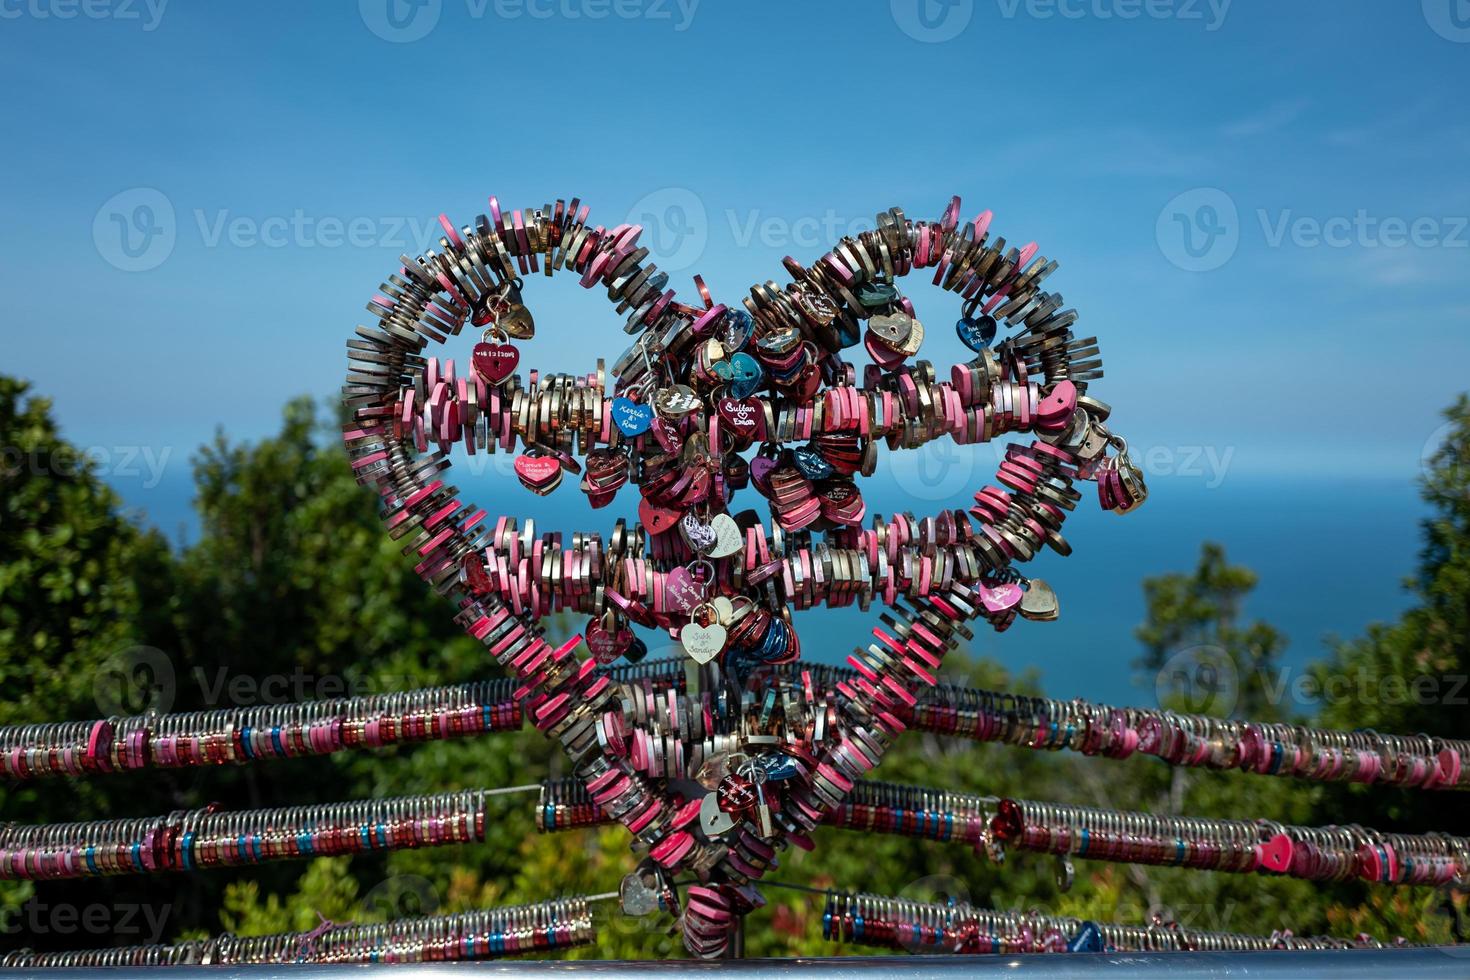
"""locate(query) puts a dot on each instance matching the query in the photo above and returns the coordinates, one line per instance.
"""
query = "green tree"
(1197, 652)
(80, 585)
(1410, 675)
(293, 578)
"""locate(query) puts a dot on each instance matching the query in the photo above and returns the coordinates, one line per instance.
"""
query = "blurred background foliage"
(292, 578)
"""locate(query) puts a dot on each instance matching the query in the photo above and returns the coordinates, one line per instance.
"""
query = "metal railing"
(1440, 963)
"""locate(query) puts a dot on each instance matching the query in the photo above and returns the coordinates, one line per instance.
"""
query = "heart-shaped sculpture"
(726, 589)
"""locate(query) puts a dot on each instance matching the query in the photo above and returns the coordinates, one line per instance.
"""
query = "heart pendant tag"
(1055, 411)
(702, 643)
(728, 539)
(712, 820)
(746, 375)
(676, 402)
(666, 434)
(539, 474)
(736, 329)
(606, 645)
(1275, 854)
(742, 415)
(494, 362)
(875, 294)
(700, 537)
(813, 465)
(657, 519)
(1039, 602)
(683, 592)
(632, 418)
(975, 334)
(808, 383)
(635, 897)
(999, 598)
(915, 338)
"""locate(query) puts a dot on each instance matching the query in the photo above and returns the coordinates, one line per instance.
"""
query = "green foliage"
(1195, 646)
(293, 581)
(80, 585)
(1411, 675)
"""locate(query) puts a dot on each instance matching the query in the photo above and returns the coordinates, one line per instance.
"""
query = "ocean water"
(1331, 557)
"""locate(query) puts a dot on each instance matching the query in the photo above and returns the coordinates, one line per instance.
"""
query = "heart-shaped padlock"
(746, 375)
(892, 329)
(974, 333)
(631, 417)
(494, 362)
(538, 474)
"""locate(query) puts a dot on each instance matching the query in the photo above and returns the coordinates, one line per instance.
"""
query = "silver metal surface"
(1441, 963)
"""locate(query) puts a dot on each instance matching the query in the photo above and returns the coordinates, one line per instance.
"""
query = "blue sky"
(1260, 208)
(300, 152)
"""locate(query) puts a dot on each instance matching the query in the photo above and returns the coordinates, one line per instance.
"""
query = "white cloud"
(1274, 117)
